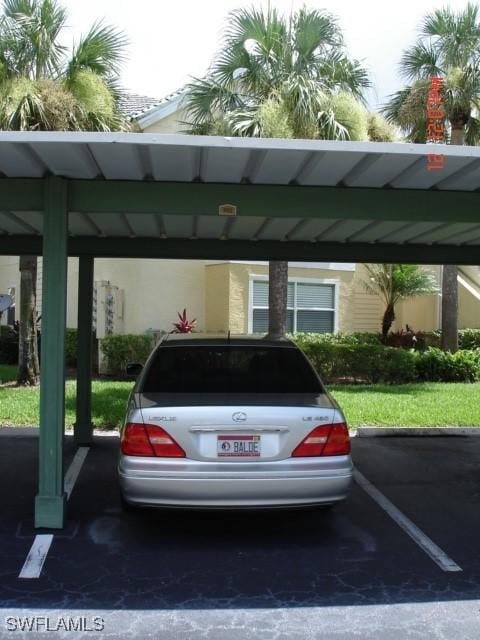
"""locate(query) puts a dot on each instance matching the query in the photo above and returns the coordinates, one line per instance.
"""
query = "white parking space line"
(32, 566)
(74, 469)
(424, 542)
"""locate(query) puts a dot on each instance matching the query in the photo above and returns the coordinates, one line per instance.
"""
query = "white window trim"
(336, 296)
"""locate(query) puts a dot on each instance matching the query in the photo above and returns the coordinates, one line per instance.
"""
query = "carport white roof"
(181, 158)
(334, 184)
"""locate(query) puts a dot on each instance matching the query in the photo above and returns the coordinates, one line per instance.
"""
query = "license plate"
(238, 446)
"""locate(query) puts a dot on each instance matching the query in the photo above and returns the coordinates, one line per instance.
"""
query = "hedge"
(119, 350)
(467, 339)
(360, 363)
(371, 364)
(8, 345)
(435, 365)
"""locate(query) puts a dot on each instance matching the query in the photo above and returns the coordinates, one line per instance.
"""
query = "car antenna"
(228, 338)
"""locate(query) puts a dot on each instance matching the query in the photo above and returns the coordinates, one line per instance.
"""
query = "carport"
(164, 196)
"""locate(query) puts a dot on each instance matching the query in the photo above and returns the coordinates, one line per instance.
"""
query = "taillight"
(326, 440)
(149, 440)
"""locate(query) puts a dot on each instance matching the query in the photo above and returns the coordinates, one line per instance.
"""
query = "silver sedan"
(238, 422)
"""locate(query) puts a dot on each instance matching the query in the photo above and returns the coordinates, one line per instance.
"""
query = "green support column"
(50, 501)
(83, 428)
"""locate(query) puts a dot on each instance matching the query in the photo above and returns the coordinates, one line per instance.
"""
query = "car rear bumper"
(191, 483)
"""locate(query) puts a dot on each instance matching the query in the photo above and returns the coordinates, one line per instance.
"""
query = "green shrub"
(436, 365)
(71, 347)
(376, 363)
(360, 363)
(337, 338)
(469, 339)
(8, 345)
(120, 350)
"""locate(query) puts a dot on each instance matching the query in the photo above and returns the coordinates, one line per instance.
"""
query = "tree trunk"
(387, 321)
(28, 367)
(458, 135)
(449, 282)
(449, 308)
(277, 299)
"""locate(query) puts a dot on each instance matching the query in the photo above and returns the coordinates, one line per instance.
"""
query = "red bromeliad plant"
(185, 325)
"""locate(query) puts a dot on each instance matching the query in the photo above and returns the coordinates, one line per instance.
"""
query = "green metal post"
(83, 428)
(50, 502)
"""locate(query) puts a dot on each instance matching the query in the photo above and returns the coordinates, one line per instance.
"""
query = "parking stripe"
(424, 542)
(74, 469)
(33, 565)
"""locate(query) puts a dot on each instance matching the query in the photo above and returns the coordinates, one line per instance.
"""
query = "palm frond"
(314, 34)
(420, 61)
(30, 30)
(102, 50)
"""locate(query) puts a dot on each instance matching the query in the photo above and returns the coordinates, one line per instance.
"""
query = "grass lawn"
(430, 404)
(19, 405)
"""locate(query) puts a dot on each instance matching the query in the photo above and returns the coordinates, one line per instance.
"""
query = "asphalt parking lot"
(352, 572)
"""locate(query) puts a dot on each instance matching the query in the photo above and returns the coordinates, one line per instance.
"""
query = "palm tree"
(44, 87)
(448, 46)
(280, 77)
(395, 282)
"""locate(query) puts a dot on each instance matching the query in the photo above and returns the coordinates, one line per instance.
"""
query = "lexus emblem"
(239, 416)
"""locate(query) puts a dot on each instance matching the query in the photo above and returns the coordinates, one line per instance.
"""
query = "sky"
(172, 41)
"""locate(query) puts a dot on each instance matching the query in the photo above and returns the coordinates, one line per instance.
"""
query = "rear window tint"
(224, 369)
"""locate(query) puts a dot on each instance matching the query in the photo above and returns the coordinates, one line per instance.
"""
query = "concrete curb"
(33, 431)
(382, 432)
(359, 432)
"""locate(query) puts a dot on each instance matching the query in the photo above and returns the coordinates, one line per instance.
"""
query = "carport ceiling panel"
(468, 232)
(70, 161)
(31, 218)
(30, 223)
(245, 227)
(279, 166)
(79, 225)
(16, 161)
(211, 227)
(111, 224)
(466, 179)
(373, 230)
(276, 228)
(224, 165)
(381, 172)
(308, 229)
(421, 178)
(144, 224)
(179, 226)
(331, 168)
(411, 231)
(173, 163)
(125, 164)
(474, 241)
(345, 229)
(445, 231)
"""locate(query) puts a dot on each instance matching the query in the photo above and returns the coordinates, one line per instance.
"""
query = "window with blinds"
(311, 307)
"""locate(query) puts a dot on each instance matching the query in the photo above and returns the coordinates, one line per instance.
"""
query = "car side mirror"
(133, 369)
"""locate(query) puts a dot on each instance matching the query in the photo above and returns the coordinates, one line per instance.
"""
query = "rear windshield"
(235, 369)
